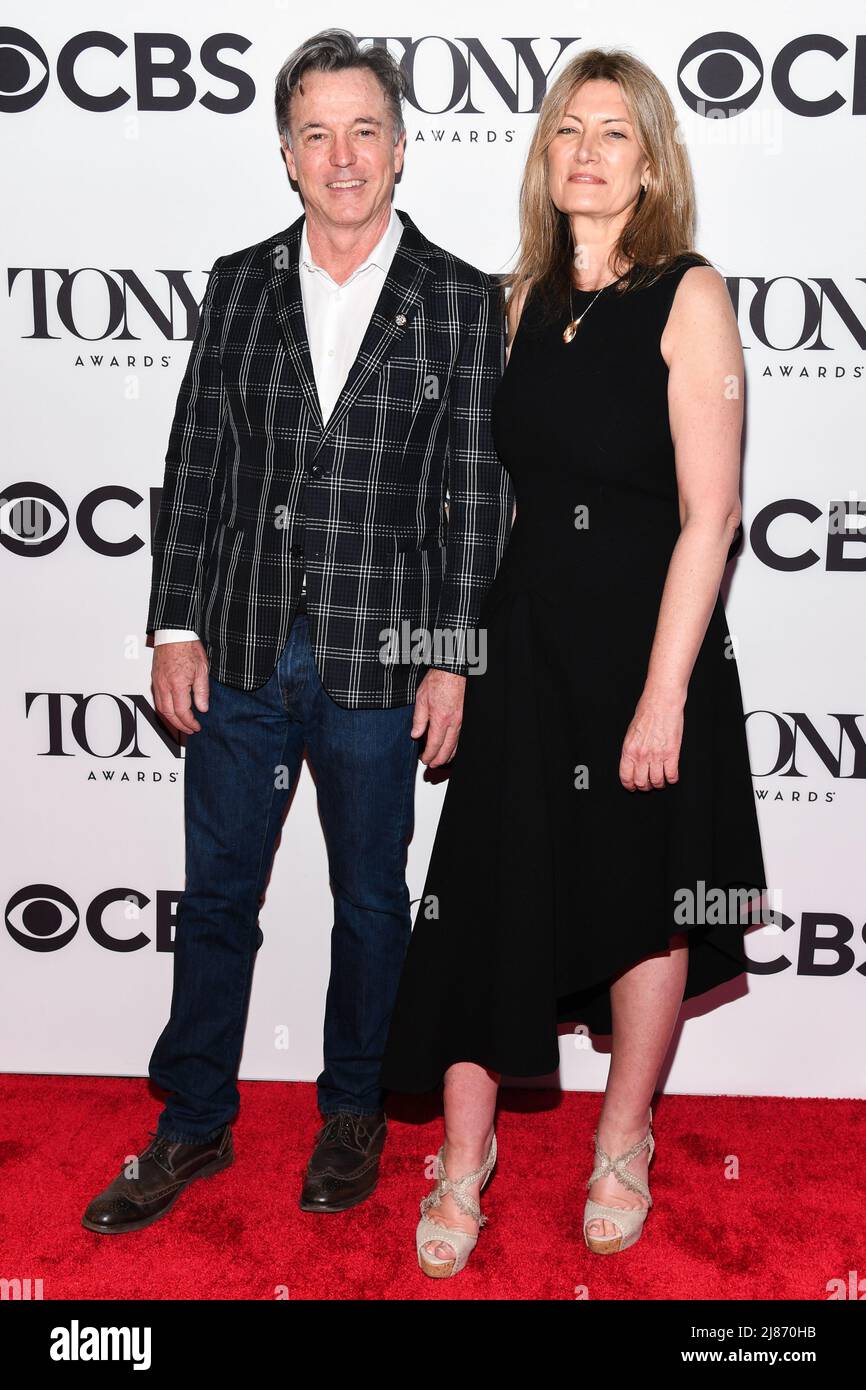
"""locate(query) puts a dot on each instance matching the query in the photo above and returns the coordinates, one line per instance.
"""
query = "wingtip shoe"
(161, 1172)
(344, 1167)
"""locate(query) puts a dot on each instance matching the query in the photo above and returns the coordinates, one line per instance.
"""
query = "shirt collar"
(381, 255)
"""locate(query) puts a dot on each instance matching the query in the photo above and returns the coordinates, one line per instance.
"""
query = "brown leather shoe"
(165, 1168)
(344, 1168)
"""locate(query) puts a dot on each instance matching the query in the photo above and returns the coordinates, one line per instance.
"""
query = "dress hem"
(543, 1067)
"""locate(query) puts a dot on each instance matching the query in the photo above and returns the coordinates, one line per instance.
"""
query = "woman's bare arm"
(701, 344)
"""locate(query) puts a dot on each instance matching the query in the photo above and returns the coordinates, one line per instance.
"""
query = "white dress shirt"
(337, 317)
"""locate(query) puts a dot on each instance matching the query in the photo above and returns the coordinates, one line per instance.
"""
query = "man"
(338, 387)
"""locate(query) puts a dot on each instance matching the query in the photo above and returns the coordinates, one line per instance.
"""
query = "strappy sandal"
(460, 1241)
(629, 1220)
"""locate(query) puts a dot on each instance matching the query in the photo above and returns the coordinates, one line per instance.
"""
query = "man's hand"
(179, 667)
(439, 710)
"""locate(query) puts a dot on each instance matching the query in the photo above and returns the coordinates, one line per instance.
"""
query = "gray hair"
(334, 50)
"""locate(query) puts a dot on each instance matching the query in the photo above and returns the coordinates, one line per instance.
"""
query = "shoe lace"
(157, 1149)
(344, 1128)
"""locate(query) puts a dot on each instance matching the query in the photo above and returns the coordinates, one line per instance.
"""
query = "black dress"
(547, 877)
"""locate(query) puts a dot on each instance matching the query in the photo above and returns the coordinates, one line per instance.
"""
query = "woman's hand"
(651, 747)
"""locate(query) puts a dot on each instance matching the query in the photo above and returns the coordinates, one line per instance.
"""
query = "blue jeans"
(241, 769)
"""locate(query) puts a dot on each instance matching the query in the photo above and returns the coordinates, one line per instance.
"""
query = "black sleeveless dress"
(547, 877)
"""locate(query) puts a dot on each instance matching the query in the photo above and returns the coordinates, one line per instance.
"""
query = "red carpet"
(792, 1221)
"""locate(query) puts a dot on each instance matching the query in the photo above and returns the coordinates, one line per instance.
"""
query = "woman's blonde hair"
(661, 226)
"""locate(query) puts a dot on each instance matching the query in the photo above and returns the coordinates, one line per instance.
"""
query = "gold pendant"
(570, 330)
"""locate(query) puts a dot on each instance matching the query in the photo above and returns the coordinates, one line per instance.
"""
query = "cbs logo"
(42, 917)
(87, 72)
(34, 519)
(721, 74)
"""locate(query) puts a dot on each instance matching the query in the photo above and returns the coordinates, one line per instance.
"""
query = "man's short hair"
(335, 50)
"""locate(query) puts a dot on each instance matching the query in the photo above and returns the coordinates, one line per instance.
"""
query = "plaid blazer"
(257, 489)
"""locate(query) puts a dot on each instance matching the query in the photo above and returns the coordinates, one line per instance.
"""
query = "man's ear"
(400, 153)
(288, 157)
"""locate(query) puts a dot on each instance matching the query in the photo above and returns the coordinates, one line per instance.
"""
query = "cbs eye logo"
(34, 519)
(720, 75)
(41, 917)
(23, 71)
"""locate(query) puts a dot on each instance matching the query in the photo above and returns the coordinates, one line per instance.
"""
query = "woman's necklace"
(574, 323)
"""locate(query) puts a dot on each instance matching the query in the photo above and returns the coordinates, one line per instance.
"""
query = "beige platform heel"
(629, 1221)
(460, 1241)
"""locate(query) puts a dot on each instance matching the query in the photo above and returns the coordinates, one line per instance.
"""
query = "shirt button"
(330, 352)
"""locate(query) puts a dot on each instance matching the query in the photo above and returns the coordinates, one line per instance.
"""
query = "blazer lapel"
(399, 298)
(284, 287)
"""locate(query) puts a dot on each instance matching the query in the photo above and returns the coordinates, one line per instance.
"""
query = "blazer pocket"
(406, 364)
(428, 376)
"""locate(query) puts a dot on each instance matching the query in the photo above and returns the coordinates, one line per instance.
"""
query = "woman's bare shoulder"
(701, 312)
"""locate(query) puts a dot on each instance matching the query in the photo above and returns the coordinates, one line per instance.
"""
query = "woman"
(601, 789)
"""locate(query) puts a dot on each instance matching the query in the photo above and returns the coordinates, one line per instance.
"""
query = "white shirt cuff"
(173, 634)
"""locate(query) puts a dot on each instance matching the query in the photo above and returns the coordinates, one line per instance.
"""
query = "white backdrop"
(112, 207)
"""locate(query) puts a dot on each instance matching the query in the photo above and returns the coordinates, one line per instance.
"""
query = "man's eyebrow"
(321, 125)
